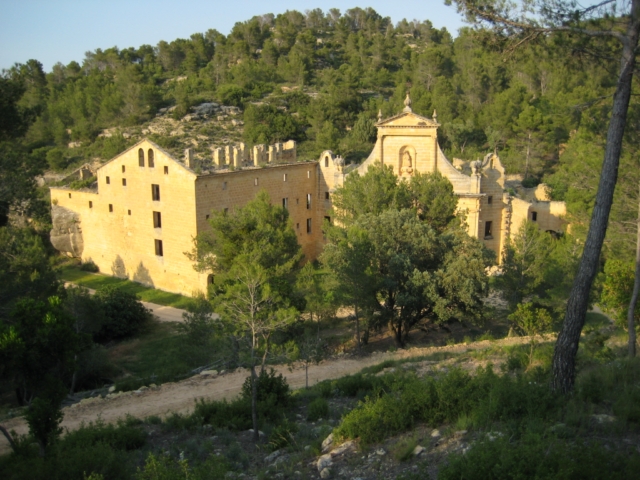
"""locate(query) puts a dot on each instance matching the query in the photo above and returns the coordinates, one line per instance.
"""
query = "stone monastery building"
(148, 206)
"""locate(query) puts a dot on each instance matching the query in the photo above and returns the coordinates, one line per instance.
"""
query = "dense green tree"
(397, 252)
(254, 254)
(37, 348)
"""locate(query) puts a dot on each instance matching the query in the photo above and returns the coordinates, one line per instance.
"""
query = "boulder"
(324, 461)
(66, 231)
(327, 443)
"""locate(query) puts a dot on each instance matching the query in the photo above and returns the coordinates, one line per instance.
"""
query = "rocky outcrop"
(66, 234)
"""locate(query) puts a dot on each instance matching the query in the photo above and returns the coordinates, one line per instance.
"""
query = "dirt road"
(181, 396)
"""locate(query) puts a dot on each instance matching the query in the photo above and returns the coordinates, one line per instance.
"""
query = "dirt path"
(180, 396)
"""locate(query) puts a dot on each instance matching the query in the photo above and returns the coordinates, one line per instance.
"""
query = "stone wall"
(118, 221)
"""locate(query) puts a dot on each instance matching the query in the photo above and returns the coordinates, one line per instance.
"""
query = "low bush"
(484, 398)
(403, 449)
(124, 312)
(119, 437)
(318, 408)
(167, 468)
(89, 266)
(282, 435)
(540, 458)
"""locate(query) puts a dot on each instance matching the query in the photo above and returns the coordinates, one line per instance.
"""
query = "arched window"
(326, 161)
(210, 279)
(150, 158)
(141, 157)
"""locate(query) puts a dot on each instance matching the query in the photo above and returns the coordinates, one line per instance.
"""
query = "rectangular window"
(328, 220)
(157, 220)
(255, 181)
(487, 230)
(155, 192)
(123, 169)
(90, 204)
(297, 226)
(297, 201)
(166, 170)
(308, 225)
(308, 173)
(110, 208)
(206, 217)
(285, 203)
(224, 185)
(326, 195)
(534, 216)
(284, 177)
(124, 182)
(308, 201)
(129, 212)
(159, 251)
(69, 195)
(489, 199)
(108, 180)
(226, 210)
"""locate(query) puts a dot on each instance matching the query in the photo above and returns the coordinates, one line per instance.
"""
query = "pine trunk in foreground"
(634, 296)
(564, 356)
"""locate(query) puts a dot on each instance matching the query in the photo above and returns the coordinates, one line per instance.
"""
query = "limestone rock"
(213, 373)
(272, 456)
(418, 450)
(327, 443)
(325, 473)
(435, 433)
(381, 452)
(66, 232)
(324, 461)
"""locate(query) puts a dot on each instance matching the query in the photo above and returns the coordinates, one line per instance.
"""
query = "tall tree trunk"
(634, 296)
(9, 438)
(566, 348)
(254, 403)
(357, 327)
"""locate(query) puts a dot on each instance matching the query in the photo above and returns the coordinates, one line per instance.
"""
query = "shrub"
(319, 408)
(89, 266)
(271, 388)
(234, 415)
(282, 435)
(118, 437)
(403, 449)
(354, 385)
(542, 458)
(124, 312)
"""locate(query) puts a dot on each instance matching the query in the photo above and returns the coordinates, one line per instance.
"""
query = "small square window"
(490, 200)
(308, 225)
(255, 182)
(166, 170)
(326, 195)
(157, 220)
(158, 245)
(90, 204)
(124, 182)
(108, 180)
(128, 212)
(123, 169)
(534, 216)
(110, 208)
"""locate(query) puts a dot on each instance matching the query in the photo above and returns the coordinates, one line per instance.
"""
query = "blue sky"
(54, 31)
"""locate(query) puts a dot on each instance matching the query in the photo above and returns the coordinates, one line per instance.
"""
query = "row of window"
(150, 158)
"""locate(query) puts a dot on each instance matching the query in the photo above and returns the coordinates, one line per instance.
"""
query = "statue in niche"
(406, 163)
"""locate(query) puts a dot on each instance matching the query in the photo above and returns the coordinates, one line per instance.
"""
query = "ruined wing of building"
(146, 207)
